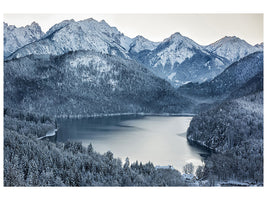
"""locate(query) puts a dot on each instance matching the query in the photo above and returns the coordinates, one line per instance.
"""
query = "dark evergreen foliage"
(86, 82)
(233, 129)
(32, 162)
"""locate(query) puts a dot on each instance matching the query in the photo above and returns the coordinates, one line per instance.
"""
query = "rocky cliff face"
(15, 38)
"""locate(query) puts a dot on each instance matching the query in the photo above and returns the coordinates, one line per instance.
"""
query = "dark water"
(159, 139)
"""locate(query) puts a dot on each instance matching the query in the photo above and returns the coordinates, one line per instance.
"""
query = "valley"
(79, 70)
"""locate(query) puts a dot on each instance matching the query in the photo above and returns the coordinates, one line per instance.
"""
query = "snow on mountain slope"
(58, 26)
(232, 78)
(179, 59)
(174, 49)
(15, 38)
(259, 46)
(237, 74)
(87, 82)
(191, 62)
(82, 35)
(232, 48)
(228, 124)
(139, 43)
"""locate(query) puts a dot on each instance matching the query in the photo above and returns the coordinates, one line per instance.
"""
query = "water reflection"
(159, 139)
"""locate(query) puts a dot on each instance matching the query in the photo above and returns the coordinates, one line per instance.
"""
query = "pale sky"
(202, 28)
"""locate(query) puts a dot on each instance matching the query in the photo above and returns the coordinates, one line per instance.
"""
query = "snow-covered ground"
(49, 134)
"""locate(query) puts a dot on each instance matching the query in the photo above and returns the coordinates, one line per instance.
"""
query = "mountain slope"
(230, 79)
(139, 43)
(260, 46)
(15, 38)
(84, 83)
(232, 48)
(233, 129)
(233, 126)
(179, 59)
(228, 124)
(254, 85)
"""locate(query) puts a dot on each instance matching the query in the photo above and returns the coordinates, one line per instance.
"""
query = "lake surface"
(159, 139)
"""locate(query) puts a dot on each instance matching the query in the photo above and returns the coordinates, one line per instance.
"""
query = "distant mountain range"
(180, 60)
(89, 67)
(177, 59)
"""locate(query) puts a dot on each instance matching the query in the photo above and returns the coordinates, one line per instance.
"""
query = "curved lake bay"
(159, 139)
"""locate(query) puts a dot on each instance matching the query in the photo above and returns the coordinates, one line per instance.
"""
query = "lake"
(159, 139)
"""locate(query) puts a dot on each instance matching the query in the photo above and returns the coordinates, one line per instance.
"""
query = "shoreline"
(50, 133)
(122, 114)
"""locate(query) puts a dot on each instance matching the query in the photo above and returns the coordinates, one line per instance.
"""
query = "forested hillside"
(231, 79)
(234, 130)
(87, 82)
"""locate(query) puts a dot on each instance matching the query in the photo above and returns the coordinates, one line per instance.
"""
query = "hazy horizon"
(202, 28)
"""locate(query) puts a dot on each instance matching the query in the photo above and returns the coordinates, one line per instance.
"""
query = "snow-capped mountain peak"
(139, 43)
(175, 36)
(87, 34)
(175, 49)
(93, 25)
(178, 39)
(231, 47)
(259, 46)
(34, 25)
(58, 26)
(15, 38)
(179, 60)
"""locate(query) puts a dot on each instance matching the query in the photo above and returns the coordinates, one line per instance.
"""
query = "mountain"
(259, 46)
(87, 34)
(15, 38)
(179, 60)
(233, 125)
(232, 48)
(253, 85)
(231, 79)
(84, 83)
(139, 43)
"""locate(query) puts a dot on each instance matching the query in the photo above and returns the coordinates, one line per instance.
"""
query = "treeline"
(27, 123)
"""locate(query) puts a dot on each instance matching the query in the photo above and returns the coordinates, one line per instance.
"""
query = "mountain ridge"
(230, 79)
(177, 59)
(17, 37)
(231, 47)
